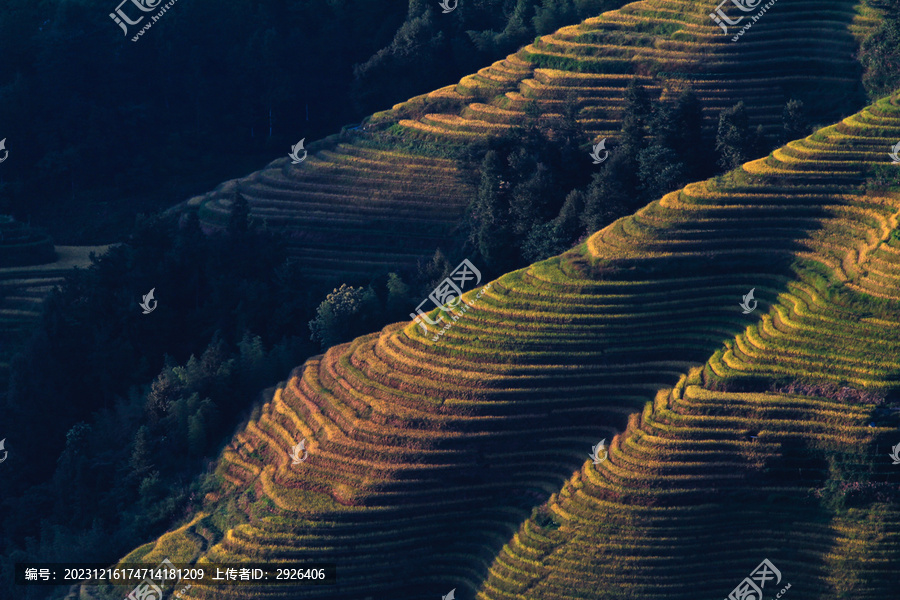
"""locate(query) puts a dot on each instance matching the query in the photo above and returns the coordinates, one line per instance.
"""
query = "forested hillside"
(402, 183)
(100, 127)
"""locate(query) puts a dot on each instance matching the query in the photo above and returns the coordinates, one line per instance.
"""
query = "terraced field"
(390, 187)
(23, 289)
(426, 459)
(394, 205)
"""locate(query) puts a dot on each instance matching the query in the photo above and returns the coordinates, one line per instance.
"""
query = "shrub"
(343, 314)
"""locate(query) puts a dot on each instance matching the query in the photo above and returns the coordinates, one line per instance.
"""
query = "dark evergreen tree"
(759, 143)
(543, 241)
(489, 226)
(660, 171)
(531, 200)
(430, 273)
(164, 390)
(399, 298)
(690, 144)
(660, 167)
(569, 218)
(610, 195)
(636, 117)
(794, 120)
(734, 139)
(345, 313)
(416, 59)
(518, 26)
(624, 151)
(553, 14)
(665, 128)
(141, 455)
(568, 135)
(196, 434)
(559, 234)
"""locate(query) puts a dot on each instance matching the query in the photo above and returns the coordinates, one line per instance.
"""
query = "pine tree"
(489, 230)
(74, 455)
(690, 145)
(794, 121)
(664, 127)
(551, 15)
(572, 142)
(164, 390)
(196, 434)
(529, 204)
(398, 295)
(430, 273)
(253, 369)
(734, 139)
(610, 195)
(660, 171)
(141, 454)
(759, 143)
(569, 218)
(215, 365)
(636, 117)
(543, 241)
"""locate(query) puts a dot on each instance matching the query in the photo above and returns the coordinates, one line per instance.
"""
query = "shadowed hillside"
(30, 268)
(394, 184)
(426, 457)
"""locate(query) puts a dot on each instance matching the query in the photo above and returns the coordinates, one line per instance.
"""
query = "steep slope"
(394, 187)
(30, 268)
(742, 476)
(426, 456)
(704, 486)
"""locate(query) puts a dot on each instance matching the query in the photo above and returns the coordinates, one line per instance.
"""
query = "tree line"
(113, 417)
(99, 127)
(536, 195)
